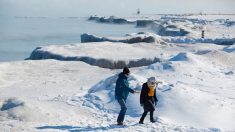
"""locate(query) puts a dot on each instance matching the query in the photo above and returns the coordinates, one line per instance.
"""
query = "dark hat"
(126, 70)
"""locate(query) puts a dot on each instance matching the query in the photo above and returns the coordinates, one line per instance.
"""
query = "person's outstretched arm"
(126, 85)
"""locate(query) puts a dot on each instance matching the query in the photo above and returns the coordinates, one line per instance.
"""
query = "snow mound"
(180, 57)
(163, 28)
(139, 37)
(221, 57)
(171, 30)
(111, 55)
(11, 103)
(101, 96)
(163, 66)
(177, 103)
(144, 23)
(202, 52)
(229, 49)
(189, 101)
(16, 109)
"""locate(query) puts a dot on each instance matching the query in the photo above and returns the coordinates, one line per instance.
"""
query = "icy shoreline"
(119, 57)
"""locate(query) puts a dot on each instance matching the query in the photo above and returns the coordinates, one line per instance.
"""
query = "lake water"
(20, 36)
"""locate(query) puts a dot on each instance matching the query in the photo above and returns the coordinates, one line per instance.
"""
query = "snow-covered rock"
(169, 30)
(131, 38)
(110, 19)
(110, 55)
(144, 23)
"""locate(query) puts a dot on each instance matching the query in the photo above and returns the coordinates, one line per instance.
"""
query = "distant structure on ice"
(203, 34)
(138, 11)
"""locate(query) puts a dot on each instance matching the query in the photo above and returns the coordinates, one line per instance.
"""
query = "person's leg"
(151, 117)
(122, 113)
(142, 117)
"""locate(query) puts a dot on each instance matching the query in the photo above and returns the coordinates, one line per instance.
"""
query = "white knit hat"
(151, 79)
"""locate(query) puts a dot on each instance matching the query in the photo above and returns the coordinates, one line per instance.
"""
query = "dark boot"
(120, 124)
(142, 117)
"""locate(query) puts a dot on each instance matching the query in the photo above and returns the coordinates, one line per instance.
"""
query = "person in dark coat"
(148, 99)
(122, 90)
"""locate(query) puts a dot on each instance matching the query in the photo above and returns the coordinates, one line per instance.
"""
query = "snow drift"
(16, 109)
(101, 95)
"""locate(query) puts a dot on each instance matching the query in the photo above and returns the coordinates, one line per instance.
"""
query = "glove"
(132, 91)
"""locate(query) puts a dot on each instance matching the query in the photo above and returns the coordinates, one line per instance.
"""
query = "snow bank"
(162, 67)
(169, 30)
(133, 38)
(220, 41)
(180, 57)
(144, 23)
(190, 101)
(229, 49)
(101, 96)
(196, 94)
(11, 103)
(178, 103)
(111, 55)
(16, 109)
(183, 18)
(163, 28)
(221, 57)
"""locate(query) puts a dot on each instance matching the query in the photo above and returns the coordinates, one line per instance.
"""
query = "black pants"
(144, 115)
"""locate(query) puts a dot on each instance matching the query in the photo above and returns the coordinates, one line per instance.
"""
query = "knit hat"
(126, 70)
(151, 81)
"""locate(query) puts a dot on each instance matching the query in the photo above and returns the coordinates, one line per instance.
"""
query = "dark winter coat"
(147, 101)
(122, 87)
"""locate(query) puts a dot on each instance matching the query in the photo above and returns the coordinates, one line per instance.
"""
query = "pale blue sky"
(111, 7)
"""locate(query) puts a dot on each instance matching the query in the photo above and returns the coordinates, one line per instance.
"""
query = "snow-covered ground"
(196, 93)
